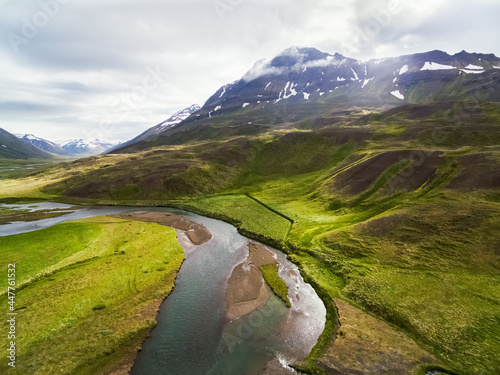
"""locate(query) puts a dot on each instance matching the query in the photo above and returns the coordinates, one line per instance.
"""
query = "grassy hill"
(395, 212)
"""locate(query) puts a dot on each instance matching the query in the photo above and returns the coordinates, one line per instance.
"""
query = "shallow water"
(30, 226)
(193, 335)
(42, 206)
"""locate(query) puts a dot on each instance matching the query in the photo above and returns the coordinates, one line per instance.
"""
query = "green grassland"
(276, 283)
(250, 216)
(16, 168)
(395, 212)
(87, 292)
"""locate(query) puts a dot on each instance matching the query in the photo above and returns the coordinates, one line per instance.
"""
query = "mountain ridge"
(85, 147)
(43, 144)
(172, 121)
(11, 147)
(287, 74)
(303, 83)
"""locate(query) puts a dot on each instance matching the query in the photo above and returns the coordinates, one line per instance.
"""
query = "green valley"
(394, 212)
(379, 179)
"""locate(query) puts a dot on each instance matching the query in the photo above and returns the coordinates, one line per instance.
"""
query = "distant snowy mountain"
(175, 119)
(43, 144)
(85, 147)
(11, 147)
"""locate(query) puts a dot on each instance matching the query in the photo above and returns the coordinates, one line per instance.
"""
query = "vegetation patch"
(249, 216)
(275, 282)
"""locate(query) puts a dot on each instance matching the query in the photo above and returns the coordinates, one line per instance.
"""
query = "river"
(193, 335)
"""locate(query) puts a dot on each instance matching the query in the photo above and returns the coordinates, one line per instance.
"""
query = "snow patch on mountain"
(223, 90)
(471, 66)
(290, 87)
(42, 144)
(32, 138)
(468, 71)
(356, 78)
(435, 66)
(366, 81)
(177, 118)
(397, 94)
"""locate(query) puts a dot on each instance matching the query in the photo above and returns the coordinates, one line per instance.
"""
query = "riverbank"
(88, 281)
(197, 233)
(246, 287)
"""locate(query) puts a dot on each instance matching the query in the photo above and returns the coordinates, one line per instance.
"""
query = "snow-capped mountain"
(173, 120)
(301, 84)
(43, 144)
(11, 147)
(302, 74)
(85, 147)
(176, 118)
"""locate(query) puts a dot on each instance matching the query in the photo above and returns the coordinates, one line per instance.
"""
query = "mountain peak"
(292, 59)
(297, 55)
(302, 74)
(298, 76)
(42, 144)
(85, 147)
(172, 121)
(12, 147)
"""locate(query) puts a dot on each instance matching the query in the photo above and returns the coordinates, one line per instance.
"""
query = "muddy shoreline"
(246, 289)
(32, 216)
(197, 233)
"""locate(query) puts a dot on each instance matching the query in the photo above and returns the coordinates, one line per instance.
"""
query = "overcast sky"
(110, 69)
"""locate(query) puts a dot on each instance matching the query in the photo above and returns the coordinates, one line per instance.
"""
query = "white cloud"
(264, 67)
